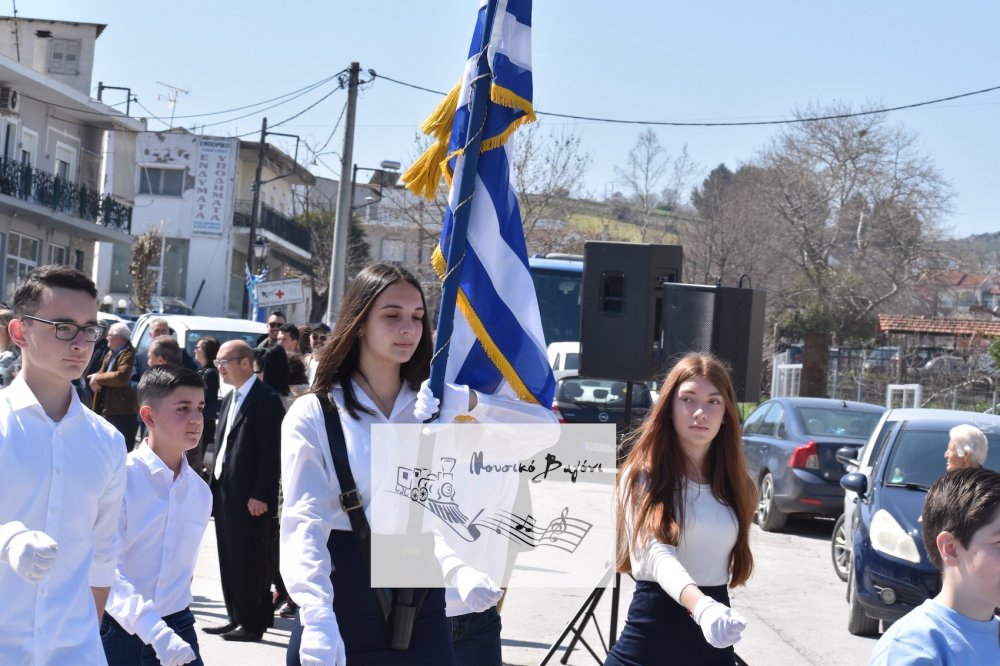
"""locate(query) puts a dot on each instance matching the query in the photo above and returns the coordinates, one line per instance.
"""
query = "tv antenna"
(172, 92)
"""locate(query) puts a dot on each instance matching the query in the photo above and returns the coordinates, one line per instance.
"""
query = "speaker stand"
(586, 612)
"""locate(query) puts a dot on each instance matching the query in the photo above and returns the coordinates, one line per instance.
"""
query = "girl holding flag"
(685, 504)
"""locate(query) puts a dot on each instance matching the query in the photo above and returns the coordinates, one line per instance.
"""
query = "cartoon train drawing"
(421, 484)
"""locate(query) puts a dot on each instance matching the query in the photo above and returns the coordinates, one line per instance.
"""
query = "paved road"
(795, 604)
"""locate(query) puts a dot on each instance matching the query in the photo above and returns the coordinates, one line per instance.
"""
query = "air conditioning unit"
(10, 100)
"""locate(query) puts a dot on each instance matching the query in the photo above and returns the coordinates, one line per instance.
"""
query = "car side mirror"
(845, 456)
(855, 482)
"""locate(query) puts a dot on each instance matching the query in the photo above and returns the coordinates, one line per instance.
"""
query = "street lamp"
(261, 246)
(122, 306)
(106, 303)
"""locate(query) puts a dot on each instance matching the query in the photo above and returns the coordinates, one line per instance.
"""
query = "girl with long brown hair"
(685, 505)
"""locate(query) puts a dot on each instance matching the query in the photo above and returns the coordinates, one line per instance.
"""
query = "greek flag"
(497, 332)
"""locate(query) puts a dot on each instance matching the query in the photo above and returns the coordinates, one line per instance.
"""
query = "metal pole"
(253, 214)
(338, 268)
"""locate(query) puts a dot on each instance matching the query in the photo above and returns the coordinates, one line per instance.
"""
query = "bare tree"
(654, 177)
(145, 253)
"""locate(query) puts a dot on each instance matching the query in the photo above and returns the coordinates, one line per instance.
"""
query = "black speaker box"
(621, 308)
(726, 321)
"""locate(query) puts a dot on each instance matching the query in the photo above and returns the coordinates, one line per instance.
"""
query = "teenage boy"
(62, 475)
(166, 511)
(962, 538)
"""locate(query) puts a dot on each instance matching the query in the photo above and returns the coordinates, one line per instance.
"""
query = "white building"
(65, 160)
(197, 191)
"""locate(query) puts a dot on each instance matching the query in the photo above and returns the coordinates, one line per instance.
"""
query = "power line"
(667, 123)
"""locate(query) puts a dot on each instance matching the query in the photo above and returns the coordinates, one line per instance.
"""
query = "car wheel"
(768, 516)
(858, 623)
(839, 553)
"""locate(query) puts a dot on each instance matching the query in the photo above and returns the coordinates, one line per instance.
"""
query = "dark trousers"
(476, 638)
(245, 563)
(127, 426)
(125, 649)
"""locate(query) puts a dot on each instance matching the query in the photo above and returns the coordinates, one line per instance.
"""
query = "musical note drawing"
(565, 532)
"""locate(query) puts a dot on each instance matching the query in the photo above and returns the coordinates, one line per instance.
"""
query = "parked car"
(586, 400)
(890, 573)
(841, 541)
(169, 305)
(880, 360)
(790, 447)
(564, 355)
(949, 368)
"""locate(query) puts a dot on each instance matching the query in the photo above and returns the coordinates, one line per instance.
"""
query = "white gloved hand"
(321, 644)
(476, 589)
(721, 625)
(171, 649)
(30, 554)
(456, 402)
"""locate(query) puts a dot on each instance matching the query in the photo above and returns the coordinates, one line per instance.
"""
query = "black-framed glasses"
(66, 330)
(275, 324)
(223, 362)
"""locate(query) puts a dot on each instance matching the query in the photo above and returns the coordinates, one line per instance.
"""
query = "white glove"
(171, 649)
(476, 589)
(321, 644)
(456, 402)
(30, 554)
(721, 625)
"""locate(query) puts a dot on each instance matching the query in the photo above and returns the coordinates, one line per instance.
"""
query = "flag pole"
(479, 101)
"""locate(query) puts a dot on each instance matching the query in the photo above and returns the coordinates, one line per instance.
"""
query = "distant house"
(66, 161)
(949, 293)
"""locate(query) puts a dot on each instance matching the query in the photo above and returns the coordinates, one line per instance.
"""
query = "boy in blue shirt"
(962, 538)
(164, 516)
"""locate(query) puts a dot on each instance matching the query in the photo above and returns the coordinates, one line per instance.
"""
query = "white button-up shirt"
(311, 489)
(65, 479)
(160, 532)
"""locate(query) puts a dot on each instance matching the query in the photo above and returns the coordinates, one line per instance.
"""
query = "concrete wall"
(23, 35)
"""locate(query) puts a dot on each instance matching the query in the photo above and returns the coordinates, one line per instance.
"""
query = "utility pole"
(338, 259)
(254, 206)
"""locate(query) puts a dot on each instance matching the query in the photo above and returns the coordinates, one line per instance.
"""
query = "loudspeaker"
(621, 308)
(725, 321)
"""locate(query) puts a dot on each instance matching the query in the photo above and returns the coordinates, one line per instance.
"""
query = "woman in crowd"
(967, 447)
(205, 351)
(685, 504)
(10, 354)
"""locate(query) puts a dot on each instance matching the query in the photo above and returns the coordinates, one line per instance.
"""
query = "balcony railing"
(270, 219)
(30, 184)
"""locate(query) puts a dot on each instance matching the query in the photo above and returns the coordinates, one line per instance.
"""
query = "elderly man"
(967, 447)
(245, 489)
(114, 397)
(274, 322)
(163, 350)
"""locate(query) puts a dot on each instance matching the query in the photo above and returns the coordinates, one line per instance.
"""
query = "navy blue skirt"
(362, 625)
(661, 631)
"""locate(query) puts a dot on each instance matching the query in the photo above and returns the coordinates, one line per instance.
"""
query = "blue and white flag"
(497, 333)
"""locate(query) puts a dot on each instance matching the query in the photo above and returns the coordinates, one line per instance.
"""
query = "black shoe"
(221, 628)
(243, 635)
(277, 599)
(288, 610)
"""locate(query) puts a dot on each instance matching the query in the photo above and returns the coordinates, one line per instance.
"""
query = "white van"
(564, 356)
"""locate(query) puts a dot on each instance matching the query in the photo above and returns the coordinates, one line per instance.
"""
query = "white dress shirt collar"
(20, 396)
(156, 465)
(244, 388)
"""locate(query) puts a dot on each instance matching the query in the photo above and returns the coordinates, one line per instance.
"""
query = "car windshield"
(606, 392)
(917, 457)
(837, 421)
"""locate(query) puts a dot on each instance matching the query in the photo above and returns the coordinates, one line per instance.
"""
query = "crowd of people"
(98, 515)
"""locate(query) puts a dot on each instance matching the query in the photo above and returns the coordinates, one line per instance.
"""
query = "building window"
(78, 261)
(121, 282)
(393, 249)
(175, 265)
(22, 257)
(65, 161)
(9, 134)
(29, 141)
(58, 254)
(64, 56)
(162, 182)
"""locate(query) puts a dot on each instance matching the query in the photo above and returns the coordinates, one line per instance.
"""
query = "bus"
(558, 282)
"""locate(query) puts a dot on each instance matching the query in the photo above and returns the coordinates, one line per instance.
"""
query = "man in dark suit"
(245, 490)
(114, 397)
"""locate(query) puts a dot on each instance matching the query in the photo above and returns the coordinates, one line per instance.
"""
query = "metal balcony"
(281, 226)
(27, 183)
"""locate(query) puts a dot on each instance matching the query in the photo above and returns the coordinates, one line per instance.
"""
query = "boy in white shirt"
(962, 538)
(166, 510)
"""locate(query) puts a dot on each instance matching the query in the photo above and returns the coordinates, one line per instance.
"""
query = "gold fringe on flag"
(438, 124)
(424, 175)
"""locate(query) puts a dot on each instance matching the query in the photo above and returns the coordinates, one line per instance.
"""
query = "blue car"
(790, 447)
(890, 573)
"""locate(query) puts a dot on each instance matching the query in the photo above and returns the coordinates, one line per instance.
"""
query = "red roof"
(933, 326)
(955, 279)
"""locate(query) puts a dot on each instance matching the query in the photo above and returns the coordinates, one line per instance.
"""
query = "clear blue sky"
(678, 61)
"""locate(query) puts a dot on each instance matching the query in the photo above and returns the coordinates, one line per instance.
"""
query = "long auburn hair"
(653, 479)
(340, 357)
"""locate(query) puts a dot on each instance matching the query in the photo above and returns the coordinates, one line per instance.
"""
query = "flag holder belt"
(399, 607)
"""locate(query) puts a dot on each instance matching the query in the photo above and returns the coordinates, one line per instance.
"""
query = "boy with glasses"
(62, 470)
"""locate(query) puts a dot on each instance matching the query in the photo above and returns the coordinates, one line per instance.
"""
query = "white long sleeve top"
(160, 531)
(65, 479)
(311, 489)
(701, 556)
